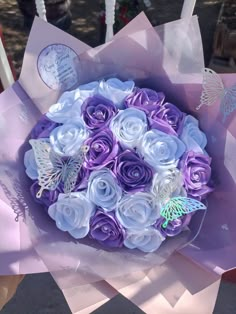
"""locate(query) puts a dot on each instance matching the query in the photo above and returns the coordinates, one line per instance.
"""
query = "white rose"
(72, 214)
(66, 140)
(194, 139)
(116, 90)
(31, 165)
(147, 240)
(129, 126)
(161, 150)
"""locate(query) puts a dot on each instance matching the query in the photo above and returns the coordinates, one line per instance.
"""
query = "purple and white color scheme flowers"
(109, 159)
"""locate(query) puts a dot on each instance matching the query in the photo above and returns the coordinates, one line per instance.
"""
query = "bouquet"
(119, 164)
(120, 167)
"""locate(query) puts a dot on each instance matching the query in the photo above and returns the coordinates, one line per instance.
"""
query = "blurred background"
(85, 19)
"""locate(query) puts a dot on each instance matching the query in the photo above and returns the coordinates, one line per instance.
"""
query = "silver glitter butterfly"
(166, 190)
(214, 90)
(53, 169)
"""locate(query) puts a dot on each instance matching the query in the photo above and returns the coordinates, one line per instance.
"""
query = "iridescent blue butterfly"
(214, 90)
(179, 206)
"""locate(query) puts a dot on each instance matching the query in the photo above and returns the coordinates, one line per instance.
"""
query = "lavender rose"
(106, 230)
(97, 112)
(156, 123)
(133, 173)
(103, 148)
(170, 114)
(196, 171)
(174, 227)
(43, 128)
(145, 99)
(48, 197)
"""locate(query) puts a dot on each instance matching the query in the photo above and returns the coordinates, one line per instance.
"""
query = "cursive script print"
(58, 67)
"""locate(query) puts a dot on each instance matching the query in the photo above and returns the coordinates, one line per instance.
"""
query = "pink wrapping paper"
(174, 288)
(168, 58)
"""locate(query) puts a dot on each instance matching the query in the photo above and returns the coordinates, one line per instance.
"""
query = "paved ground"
(38, 294)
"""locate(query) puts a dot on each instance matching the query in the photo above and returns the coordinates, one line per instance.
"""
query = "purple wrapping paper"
(169, 59)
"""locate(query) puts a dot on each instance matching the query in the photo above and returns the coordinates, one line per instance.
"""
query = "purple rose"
(156, 123)
(48, 197)
(132, 172)
(171, 115)
(43, 128)
(145, 99)
(196, 171)
(97, 112)
(82, 179)
(174, 227)
(106, 230)
(103, 148)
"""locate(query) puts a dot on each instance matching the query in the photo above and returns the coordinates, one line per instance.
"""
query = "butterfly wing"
(50, 165)
(228, 103)
(212, 86)
(178, 207)
(73, 167)
(167, 189)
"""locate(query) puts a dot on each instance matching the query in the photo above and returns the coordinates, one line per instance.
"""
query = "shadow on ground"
(39, 294)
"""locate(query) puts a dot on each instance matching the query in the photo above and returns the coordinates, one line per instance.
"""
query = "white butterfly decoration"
(53, 169)
(214, 90)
